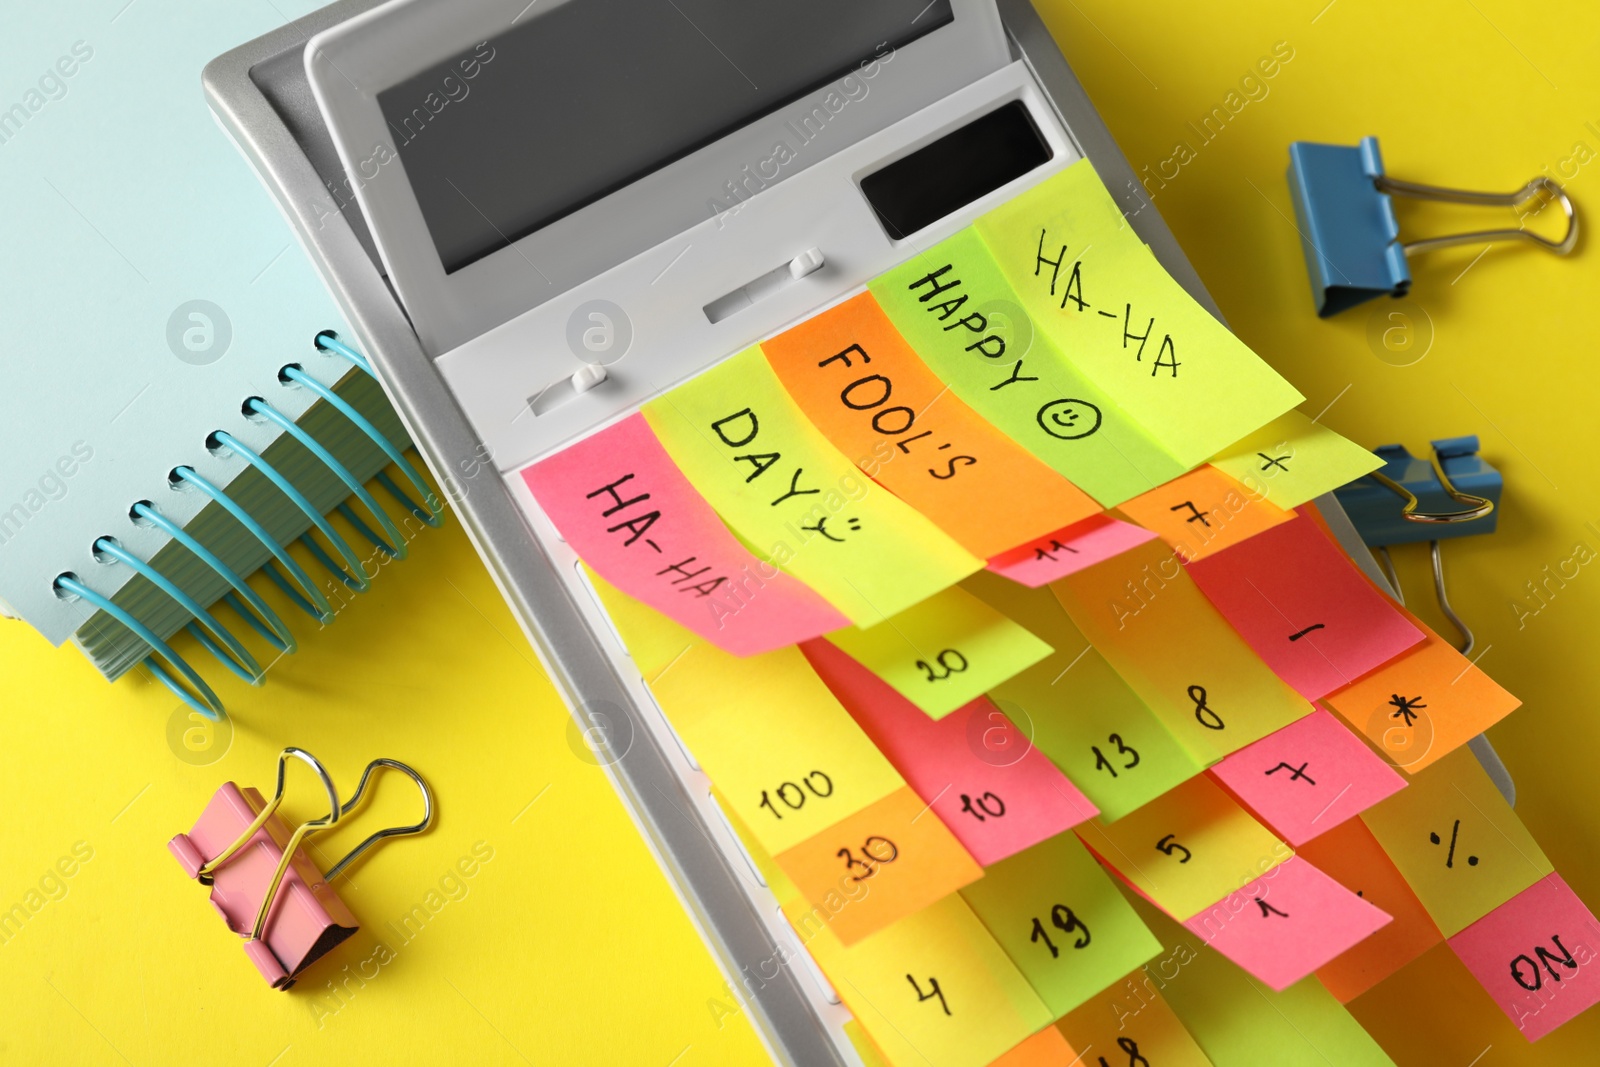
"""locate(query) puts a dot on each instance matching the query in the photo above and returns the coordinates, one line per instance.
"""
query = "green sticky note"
(1291, 460)
(961, 316)
(1078, 710)
(945, 652)
(1236, 1019)
(1062, 920)
(1093, 288)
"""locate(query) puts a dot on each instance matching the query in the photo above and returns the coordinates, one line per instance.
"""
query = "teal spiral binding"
(165, 663)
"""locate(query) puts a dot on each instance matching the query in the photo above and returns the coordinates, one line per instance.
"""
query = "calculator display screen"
(591, 95)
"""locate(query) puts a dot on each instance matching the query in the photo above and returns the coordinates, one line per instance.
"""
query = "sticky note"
(1287, 923)
(1062, 920)
(1188, 848)
(1536, 955)
(632, 516)
(1127, 1020)
(1305, 609)
(1062, 552)
(954, 307)
(944, 652)
(995, 792)
(790, 761)
(1096, 291)
(1292, 460)
(933, 990)
(1424, 705)
(1145, 614)
(871, 1055)
(1203, 512)
(1238, 1020)
(1047, 1048)
(889, 860)
(652, 640)
(1350, 855)
(855, 377)
(780, 485)
(1458, 843)
(1078, 711)
(1307, 778)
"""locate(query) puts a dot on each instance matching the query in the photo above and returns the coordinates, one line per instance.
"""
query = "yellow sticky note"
(1188, 849)
(877, 866)
(1062, 920)
(1203, 512)
(777, 481)
(945, 652)
(962, 318)
(1101, 296)
(1161, 634)
(1291, 460)
(1130, 1019)
(653, 641)
(933, 990)
(1079, 712)
(778, 882)
(1461, 848)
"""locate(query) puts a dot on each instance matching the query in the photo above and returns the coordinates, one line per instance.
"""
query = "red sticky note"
(623, 505)
(1080, 545)
(1536, 954)
(1287, 923)
(1308, 777)
(1300, 603)
(973, 767)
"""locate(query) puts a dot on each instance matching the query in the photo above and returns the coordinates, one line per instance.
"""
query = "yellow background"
(568, 946)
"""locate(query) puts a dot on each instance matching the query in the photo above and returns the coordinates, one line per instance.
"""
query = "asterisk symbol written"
(1407, 707)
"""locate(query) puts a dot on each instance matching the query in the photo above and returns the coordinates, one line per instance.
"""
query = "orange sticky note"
(1047, 1048)
(1130, 1019)
(859, 381)
(1424, 705)
(1461, 848)
(889, 860)
(933, 990)
(1203, 512)
(1143, 612)
(1188, 848)
(1351, 856)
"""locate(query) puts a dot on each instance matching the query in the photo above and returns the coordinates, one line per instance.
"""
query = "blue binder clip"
(1452, 494)
(1348, 228)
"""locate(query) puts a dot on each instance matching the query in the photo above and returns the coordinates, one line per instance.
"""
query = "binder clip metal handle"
(1349, 233)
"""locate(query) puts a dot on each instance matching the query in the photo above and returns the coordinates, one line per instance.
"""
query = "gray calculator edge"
(280, 143)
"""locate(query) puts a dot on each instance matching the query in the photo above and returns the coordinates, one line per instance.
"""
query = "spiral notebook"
(180, 402)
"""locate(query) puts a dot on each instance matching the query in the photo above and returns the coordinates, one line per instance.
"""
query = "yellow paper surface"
(1078, 710)
(1161, 634)
(737, 435)
(761, 727)
(1483, 855)
(945, 652)
(986, 1009)
(1291, 460)
(1061, 918)
(1137, 334)
(974, 334)
(1130, 1018)
(1187, 849)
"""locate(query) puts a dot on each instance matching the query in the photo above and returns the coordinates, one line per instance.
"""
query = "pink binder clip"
(266, 887)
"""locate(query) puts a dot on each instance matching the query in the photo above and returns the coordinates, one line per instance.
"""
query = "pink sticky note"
(1083, 544)
(1538, 955)
(627, 510)
(1308, 777)
(980, 774)
(1287, 923)
(1300, 603)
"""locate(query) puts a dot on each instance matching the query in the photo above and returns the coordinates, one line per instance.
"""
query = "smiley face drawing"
(1069, 419)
